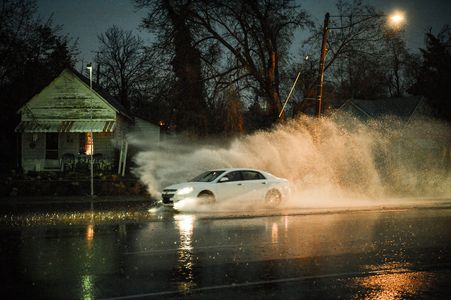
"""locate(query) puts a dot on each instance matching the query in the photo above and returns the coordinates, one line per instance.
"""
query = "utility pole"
(322, 63)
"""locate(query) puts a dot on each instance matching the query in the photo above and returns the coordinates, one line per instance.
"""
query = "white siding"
(68, 143)
(67, 98)
(103, 144)
(145, 130)
(33, 153)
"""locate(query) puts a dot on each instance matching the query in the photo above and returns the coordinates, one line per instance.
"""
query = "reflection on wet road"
(185, 224)
(397, 284)
(368, 254)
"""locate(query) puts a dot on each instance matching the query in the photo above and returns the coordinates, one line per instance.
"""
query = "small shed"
(67, 121)
(405, 108)
(421, 137)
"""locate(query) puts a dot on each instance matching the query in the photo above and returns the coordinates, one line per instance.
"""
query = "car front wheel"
(273, 198)
(206, 197)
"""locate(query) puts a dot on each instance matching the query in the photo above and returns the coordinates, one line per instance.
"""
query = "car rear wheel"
(206, 197)
(273, 198)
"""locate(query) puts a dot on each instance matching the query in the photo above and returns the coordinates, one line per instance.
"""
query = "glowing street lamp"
(395, 20)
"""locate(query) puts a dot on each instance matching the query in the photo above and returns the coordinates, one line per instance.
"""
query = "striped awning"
(66, 126)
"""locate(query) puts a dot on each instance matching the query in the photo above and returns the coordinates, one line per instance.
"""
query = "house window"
(51, 146)
(86, 143)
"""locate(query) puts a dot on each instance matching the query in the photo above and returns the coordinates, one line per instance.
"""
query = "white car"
(222, 184)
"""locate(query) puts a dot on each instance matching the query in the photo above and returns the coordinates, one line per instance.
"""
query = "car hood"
(181, 185)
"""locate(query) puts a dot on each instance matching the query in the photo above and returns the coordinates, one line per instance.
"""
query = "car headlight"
(185, 190)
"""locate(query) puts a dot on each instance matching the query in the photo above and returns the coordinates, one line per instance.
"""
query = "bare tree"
(176, 35)
(365, 57)
(399, 64)
(123, 62)
(433, 77)
(17, 22)
(257, 35)
(32, 52)
(234, 123)
(253, 36)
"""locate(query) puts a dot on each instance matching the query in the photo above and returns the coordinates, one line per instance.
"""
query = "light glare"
(397, 18)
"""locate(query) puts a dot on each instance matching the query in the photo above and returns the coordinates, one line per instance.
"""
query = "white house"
(65, 121)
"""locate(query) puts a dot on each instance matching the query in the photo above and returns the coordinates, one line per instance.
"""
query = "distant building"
(56, 126)
(405, 108)
(422, 144)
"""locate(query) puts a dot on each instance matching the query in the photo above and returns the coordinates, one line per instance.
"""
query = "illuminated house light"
(88, 144)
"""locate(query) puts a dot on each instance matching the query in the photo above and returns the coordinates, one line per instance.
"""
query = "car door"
(255, 184)
(230, 186)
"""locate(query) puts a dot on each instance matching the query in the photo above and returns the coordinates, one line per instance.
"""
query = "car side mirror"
(224, 179)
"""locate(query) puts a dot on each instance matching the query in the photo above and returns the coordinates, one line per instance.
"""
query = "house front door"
(51, 151)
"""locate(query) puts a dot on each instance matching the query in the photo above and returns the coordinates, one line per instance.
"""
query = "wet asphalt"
(134, 253)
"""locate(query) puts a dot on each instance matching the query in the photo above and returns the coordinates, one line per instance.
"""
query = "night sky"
(85, 19)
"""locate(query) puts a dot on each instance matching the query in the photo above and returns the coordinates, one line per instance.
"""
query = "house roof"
(401, 107)
(66, 126)
(113, 102)
(103, 93)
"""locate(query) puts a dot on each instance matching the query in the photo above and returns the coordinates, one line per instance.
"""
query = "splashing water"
(327, 161)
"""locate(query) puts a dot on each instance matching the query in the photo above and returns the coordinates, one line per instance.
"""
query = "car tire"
(273, 198)
(206, 198)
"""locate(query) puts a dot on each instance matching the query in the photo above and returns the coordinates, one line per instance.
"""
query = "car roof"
(237, 169)
(243, 169)
(265, 173)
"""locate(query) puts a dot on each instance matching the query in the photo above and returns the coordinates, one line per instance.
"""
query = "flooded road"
(391, 253)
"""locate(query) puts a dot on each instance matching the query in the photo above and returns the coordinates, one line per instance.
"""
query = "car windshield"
(207, 176)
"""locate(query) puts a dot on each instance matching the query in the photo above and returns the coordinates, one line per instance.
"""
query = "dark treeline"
(32, 52)
(225, 67)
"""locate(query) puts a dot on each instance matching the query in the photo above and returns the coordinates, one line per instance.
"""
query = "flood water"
(393, 253)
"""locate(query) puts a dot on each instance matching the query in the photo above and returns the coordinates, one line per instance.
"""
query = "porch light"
(89, 144)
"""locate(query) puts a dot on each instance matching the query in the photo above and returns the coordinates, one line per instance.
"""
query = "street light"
(395, 20)
(291, 90)
(89, 67)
